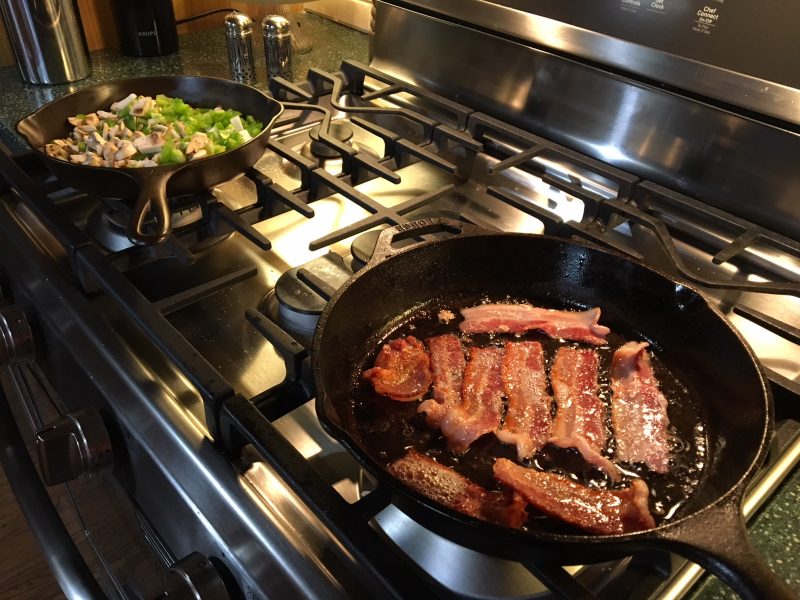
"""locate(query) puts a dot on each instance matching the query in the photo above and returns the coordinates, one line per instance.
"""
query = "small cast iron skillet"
(148, 189)
(690, 336)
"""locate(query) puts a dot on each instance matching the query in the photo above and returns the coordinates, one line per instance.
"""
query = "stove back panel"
(693, 45)
(736, 163)
(707, 31)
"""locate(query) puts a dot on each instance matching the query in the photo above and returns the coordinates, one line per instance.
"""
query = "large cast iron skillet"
(149, 189)
(689, 335)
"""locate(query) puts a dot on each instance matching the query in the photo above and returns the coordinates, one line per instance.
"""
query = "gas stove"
(194, 354)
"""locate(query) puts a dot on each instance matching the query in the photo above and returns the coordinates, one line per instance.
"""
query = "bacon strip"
(442, 484)
(638, 409)
(591, 456)
(481, 400)
(598, 511)
(447, 365)
(528, 420)
(580, 413)
(518, 318)
(402, 371)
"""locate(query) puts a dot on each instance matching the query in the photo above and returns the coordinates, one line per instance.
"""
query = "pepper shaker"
(239, 36)
(278, 46)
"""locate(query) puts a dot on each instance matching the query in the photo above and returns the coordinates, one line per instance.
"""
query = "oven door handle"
(58, 548)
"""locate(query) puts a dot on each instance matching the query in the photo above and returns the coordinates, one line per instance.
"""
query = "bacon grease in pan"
(638, 409)
(580, 326)
(388, 429)
(443, 485)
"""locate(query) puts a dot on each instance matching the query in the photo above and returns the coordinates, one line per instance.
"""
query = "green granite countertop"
(201, 53)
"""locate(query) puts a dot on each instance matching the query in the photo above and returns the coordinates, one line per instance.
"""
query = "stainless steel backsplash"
(732, 161)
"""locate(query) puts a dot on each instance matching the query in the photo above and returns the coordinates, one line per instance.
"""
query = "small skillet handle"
(717, 540)
(152, 199)
(390, 235)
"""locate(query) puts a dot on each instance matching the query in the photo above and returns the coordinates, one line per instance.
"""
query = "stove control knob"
(16, 339)
(74, 447)
(195, 578)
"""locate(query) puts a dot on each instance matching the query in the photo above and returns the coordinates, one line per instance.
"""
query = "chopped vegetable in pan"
(140, 131)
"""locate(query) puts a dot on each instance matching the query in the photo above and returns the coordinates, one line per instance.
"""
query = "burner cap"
(340, 130)
(108, 224)
(186, 216)
(106, 229)
(299, 306)
(271, 308)
(323, 155)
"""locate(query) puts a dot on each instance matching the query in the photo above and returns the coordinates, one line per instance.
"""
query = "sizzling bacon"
(442, 484)
(598, 511)
(447, 365)
(402, 370)
(518, 318)
(591, 456)
(528, 420)
(580, 413)
(481, 400)
(638, 409)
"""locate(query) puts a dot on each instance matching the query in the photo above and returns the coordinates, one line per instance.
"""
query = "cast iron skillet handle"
(383, 246)
(717, 540)
(152, 199)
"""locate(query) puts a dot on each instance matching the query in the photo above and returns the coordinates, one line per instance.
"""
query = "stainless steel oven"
(171, 384)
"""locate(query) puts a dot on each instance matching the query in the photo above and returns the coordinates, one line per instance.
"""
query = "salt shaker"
(278, 46)
(239, 35)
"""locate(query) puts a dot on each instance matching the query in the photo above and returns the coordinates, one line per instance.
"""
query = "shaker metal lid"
(276, 26)
(237, 23)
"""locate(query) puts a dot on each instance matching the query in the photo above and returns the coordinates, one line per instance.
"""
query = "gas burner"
(107, 225)
(105, 228)
(319, 152)
(301, 294)
(186, 216)
(340, 130)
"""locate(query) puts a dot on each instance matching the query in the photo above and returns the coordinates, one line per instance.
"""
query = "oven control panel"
(754, 38)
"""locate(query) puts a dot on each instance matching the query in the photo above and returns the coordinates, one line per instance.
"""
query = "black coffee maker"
(147, 27)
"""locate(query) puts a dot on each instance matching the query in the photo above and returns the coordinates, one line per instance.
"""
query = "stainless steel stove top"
(177, 343)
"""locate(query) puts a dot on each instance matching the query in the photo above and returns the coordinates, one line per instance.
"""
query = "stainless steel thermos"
(47, 39)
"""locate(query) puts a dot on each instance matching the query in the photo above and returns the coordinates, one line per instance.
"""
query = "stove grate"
(243, 424)
(630, 213)
(267, 190)
(490, 131)
(733, 238)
